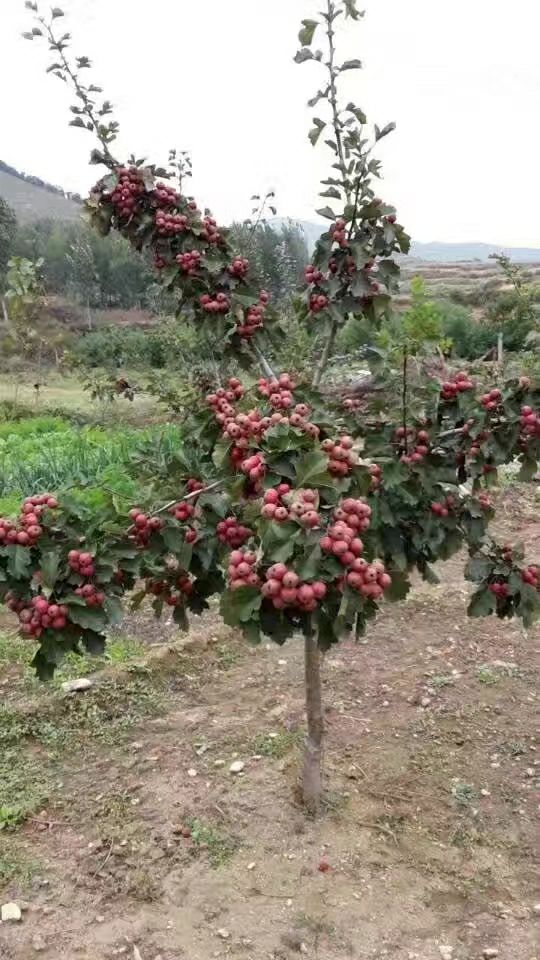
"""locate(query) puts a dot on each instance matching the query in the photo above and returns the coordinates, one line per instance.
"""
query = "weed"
(226, 656)
(487, 675)
(15, 868)
(441, 680)
(277, 745)
(463, 793)
(219, 846)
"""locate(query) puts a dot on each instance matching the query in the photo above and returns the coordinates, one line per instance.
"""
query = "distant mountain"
(34, 199)
(435, 252)
(452, 252)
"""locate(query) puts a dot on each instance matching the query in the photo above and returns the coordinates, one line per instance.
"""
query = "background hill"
(33, 199)
(438, 252)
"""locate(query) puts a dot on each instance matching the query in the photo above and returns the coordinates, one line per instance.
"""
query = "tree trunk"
(312, 785)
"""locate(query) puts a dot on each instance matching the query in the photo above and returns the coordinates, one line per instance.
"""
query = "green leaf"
(303, 55)
(94, 643)
(308, 568)
(315, 133)
(351, 65)
(351, 10)
(307, 32)
(478, 569)
(18, 561)
(379, 134)
(482, 604)
(238, 606)
(49, 563)
(327, 213)
(332, 192)
(356, 112)
(173, 538)
(312, 470)
(91, 618)
(399, 587)
(114, 610)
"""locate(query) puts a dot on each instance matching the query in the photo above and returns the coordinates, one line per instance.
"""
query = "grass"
(219, 846)
(67, 392)
(277, 745)
(55, 459)
(15, 651)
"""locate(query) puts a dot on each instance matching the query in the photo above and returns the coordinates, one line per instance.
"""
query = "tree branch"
(323, 362)
(333, 98)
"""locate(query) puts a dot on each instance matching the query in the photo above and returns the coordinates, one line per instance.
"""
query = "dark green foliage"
(8, 225)
(95, 271)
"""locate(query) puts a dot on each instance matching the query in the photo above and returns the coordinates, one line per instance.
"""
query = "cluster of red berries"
(313, 274)
(254, 318)
(239, 267)
(189, 262)
(233, 533)
(368, 579)
(274, 508)
(284, 588)
(254, 466)
(91, 595)
(241, 572)
(165, 196)
(222, 398)
(340, 455)
(318, 302)
(220, 303)
(210, 231)
(304, 508)
(531, 575)
(81, 562)
(530, 422)
(173, 594)
(268, 388)
(444, 508)
(418, 438)
(500, 588)
(127, 191)
(144, 526)
(484, 501)
(459, 383)
(170, 224)
(27, 531)
(341, 538)
(39, 615)
(182, 511)
(490, 401)
(337, 232)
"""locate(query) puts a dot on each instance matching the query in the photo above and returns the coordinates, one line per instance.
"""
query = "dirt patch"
(143, 839)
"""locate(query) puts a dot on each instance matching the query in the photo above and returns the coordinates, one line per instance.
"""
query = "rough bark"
(312, 776)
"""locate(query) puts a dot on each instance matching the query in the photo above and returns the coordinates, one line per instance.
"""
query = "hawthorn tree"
(301, 512)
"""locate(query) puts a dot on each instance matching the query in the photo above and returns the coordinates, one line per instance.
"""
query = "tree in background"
(8, 227)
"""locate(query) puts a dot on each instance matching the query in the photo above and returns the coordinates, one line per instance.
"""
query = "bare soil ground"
(429, 829)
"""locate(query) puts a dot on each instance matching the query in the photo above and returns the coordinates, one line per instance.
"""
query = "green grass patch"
(219, 846)
(277, 745)
(15, 651)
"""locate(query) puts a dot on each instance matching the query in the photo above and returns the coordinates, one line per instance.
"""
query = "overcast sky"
(461, 79)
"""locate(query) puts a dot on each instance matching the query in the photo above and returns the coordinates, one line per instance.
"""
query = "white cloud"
(461, 79)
